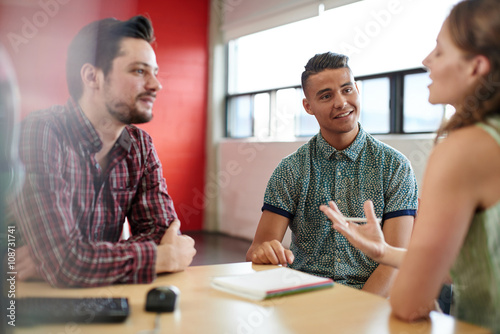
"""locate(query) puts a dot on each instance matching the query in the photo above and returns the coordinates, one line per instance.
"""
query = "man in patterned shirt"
(88, 169)
(342, 163)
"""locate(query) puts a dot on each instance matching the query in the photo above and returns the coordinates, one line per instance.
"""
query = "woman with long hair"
(457, 230)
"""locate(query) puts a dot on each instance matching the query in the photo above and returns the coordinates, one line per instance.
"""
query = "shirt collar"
(86, 134)
(352, 151)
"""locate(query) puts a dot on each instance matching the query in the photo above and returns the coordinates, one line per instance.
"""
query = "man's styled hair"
(321, 62)
(98, 44)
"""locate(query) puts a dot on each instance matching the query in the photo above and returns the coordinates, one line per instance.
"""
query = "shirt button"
(338, 173)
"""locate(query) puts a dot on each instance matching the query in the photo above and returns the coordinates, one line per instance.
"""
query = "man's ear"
(307, 106)
(90, 76)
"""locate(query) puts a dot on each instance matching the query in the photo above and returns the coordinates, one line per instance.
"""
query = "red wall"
(36, 34)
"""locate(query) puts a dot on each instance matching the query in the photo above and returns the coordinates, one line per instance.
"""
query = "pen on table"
(359, 220)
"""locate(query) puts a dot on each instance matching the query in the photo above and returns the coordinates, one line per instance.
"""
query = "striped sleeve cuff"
(278, 211)
(394, 214)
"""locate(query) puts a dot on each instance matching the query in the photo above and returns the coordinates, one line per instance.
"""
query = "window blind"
(244, 17)
(330, 4)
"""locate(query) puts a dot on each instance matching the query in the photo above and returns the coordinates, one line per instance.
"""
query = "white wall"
(245, 168)
(241, 198)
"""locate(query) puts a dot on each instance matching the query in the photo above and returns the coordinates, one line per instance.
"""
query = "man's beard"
(128, 114)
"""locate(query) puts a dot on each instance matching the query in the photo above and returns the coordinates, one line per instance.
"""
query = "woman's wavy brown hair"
(475, 29)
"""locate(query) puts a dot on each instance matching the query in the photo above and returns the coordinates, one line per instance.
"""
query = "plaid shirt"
(71, 212)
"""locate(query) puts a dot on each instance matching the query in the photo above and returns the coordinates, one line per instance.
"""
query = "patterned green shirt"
(317, 173)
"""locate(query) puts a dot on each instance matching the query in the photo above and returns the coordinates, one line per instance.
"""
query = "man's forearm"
(99, 265)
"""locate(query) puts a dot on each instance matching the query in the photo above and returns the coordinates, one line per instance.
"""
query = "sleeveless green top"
(476, 272)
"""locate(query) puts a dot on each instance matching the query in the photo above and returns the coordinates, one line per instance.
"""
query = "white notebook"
(270, 283)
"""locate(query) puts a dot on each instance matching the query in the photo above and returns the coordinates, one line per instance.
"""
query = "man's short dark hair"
(98, 44)
(321, 62)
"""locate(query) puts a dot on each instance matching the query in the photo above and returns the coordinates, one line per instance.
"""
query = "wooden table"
(203, 309)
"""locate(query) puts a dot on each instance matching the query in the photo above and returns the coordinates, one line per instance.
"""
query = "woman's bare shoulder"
(468, 142)
(469, 160)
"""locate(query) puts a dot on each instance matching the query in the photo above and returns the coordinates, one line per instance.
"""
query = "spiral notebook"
(271, 283)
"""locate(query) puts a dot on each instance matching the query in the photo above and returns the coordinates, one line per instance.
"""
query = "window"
(262, 113)
(288, 105)
(390, 103)
(385, 53)
(240, 118)
(375, 104)
(419, 115)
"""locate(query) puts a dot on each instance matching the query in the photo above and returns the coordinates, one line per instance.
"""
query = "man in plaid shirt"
(87, 169)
